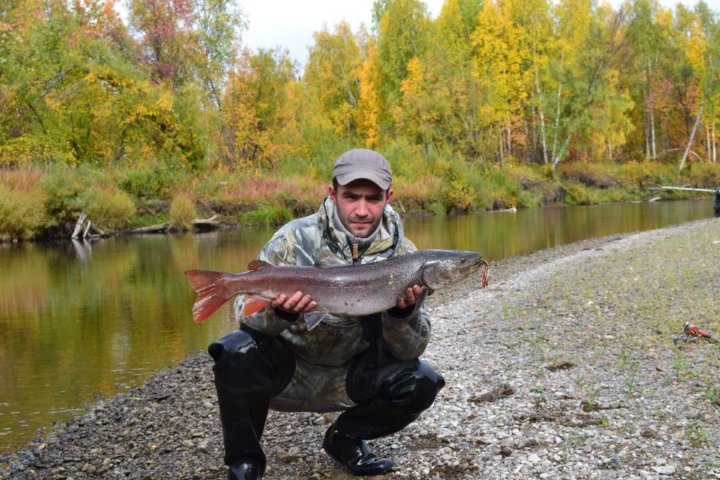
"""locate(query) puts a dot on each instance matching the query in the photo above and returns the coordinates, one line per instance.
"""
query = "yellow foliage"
(182, 211)
(368, 113)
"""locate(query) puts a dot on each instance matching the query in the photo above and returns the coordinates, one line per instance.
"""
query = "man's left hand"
(412, 295)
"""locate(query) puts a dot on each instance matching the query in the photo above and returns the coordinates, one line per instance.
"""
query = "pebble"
(665, 469)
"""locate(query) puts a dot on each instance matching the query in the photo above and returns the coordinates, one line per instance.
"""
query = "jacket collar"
(380, 244)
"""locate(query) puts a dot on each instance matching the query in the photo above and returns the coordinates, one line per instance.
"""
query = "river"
(81, 321)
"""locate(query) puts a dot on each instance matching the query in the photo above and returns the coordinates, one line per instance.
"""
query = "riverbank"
(565, 367)
(58, 202)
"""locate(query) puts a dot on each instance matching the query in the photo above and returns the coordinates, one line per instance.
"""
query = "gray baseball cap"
(362, 163)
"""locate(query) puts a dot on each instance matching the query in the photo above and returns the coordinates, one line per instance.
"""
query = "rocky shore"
(571, 364)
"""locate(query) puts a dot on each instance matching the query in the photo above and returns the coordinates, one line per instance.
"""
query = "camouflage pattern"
(324, 354)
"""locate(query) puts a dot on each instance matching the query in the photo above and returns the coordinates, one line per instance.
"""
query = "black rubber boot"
(250, 368)
(404, 390)
(247, 470)
(355, 454)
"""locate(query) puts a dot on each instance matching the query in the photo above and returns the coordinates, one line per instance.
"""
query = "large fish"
(344, 290)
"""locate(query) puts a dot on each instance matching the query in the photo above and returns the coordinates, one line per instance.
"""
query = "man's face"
(360, 206)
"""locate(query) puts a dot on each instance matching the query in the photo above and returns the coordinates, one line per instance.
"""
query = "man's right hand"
(296, 303)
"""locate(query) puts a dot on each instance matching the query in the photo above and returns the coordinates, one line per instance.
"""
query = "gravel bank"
(564, 367)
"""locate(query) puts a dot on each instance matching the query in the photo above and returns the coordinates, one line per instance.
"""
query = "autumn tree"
(440, 102)
(586, 107)
(369, 105)
(403, 32)
(332, 78)
(499, 61)
(254, 106)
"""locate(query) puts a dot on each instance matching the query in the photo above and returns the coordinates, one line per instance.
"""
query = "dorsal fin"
(328, 260)
(257, 265)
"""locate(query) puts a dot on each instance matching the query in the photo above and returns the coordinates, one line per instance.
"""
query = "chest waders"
(251, 368)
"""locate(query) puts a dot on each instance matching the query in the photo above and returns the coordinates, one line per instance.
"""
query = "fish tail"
(211, 292)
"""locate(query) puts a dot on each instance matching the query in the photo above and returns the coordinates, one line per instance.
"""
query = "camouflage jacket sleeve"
(406, 334)
(278, 251)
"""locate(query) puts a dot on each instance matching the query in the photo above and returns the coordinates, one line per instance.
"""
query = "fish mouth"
(471, 264)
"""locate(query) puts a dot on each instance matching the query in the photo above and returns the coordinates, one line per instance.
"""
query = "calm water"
(79, 321)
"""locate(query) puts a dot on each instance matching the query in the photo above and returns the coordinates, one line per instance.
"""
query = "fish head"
(444, 267)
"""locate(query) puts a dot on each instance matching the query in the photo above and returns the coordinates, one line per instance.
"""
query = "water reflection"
(506, 234)
(79, 319)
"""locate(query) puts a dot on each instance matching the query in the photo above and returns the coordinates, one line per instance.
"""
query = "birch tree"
(588, 106)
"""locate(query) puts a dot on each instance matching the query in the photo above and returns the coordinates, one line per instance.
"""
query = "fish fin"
(201, 279)
(312, 319)
(328, 260)
(254, 305)
(258, 265)
(423, 295)
(211, 294)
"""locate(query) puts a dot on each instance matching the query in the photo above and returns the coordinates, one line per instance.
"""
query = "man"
(366, 367)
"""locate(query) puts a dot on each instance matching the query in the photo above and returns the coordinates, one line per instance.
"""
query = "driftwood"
(84, 228)
(161, 228)
(79, 226)
(206, 224)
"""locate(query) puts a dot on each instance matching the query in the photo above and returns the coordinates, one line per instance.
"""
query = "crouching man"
(367, 367)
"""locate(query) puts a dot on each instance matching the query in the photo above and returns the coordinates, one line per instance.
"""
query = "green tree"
(404, 30)
(332, 78)
(588, 108)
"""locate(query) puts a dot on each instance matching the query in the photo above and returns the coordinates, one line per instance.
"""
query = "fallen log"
(161, 228)
(205, 224)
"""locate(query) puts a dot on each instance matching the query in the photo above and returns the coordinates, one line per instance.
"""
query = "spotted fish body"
(346, 290)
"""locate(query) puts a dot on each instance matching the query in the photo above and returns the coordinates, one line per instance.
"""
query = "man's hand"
(412, 295)
(297, 303)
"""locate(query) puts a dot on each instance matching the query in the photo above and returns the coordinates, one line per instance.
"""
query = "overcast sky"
(291, 23)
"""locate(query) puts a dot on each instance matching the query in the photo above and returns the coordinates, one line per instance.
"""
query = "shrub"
(63, 188)
(150, 181)
(704, 174)
(458, 196)
(68, 192)
(182, 211)
(268, 215)
(21, 213)
(577, 193)
(456, 192)
(503, 192)
(108, 207)
(639, 174)
(591, 174)
(406, 160)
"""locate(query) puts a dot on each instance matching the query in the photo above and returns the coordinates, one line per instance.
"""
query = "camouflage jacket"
(323, 355)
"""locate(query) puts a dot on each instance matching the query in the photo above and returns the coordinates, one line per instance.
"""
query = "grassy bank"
(38, 202)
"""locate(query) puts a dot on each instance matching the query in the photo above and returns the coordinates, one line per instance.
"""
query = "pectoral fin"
(312, 319)
(254, 305)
